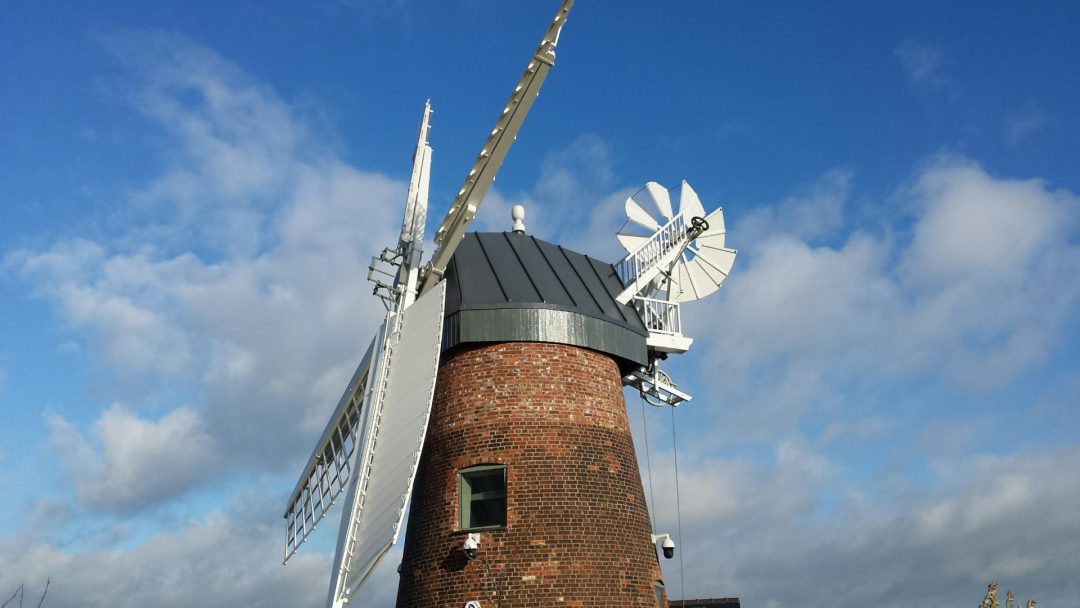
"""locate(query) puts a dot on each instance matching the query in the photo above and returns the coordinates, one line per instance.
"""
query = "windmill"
(494, 386)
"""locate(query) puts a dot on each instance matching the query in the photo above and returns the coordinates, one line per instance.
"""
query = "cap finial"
(517, 213)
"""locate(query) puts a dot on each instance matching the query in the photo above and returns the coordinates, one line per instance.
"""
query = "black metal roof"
(506, 271)
(510, 270)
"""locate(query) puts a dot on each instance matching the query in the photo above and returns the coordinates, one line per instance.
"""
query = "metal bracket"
(656, 387)
(393, 258)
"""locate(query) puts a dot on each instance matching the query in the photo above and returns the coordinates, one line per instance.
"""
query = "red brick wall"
(577, 529)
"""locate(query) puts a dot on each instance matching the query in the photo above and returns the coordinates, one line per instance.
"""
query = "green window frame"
(482, 495)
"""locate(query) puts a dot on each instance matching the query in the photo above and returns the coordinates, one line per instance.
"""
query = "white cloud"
(927, 68)
(768, 532)
(797, 298)
(987, 252)
(569, 175)
(595, 234)
(141, 461)
(923, 62)
(812, 215)
(1024, 123)
(78, 454)
(973, 227)
(797, 325)
(732, 129)
(239, 290)
(859, 430)
(224, 559)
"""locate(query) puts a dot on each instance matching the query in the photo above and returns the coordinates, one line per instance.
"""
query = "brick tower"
(528, 447)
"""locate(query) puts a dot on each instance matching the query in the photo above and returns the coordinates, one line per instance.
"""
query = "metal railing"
(651, 251)
(660, 316)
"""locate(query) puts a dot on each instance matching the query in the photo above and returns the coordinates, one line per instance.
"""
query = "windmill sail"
(329, 470)
(402, 385)
(463, 208)
(412, 225)
(411, 242)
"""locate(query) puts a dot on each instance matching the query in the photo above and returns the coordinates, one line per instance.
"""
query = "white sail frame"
(329, 469)
(401, 390)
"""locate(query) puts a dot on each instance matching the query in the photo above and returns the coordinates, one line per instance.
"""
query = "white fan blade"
(716, 263)
(705, 273)
(689, 204)
(716, 222)
(704, 284)
(693, 283)
(639, 216)
(632, 242)
(720, 260)
(660, 198)
(714, 241)
(684, 282)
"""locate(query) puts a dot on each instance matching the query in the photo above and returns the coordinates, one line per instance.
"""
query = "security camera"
(472, 543)
(668, 545)
(472, 604)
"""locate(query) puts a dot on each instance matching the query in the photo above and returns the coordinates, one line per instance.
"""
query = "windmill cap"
(512, 287)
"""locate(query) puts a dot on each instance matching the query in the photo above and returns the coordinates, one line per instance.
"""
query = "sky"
(885, 390)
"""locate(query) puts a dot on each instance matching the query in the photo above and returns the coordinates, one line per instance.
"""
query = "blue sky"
(885, 390)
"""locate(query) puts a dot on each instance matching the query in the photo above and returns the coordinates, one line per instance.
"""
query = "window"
(661, 595)
(483, 497)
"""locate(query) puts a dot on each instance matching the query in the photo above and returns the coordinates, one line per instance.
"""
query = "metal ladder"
(642, 265)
